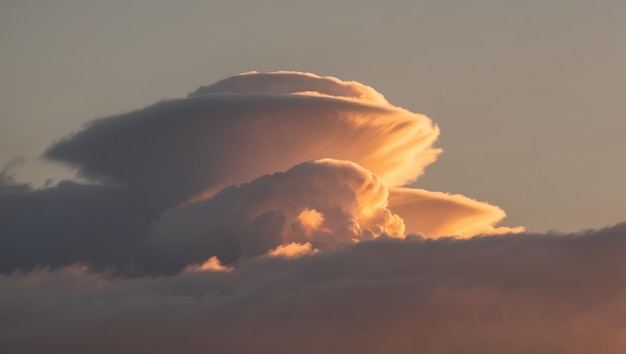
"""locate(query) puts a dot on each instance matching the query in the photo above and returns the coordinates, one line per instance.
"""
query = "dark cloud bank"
(496, 294)
(258, 162)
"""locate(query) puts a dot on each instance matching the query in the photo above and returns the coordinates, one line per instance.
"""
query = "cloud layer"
(496, 294)
(270, 213)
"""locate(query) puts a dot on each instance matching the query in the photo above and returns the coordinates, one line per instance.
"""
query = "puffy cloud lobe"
(293, 250)
(494, 294)
(213, 264)
(327, 203)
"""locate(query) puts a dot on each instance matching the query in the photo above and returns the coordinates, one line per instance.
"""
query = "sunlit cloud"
(292, 250)
(329, 203)
(212, 264)
(270, 210)
(250, 125)
(237, 168)
(436, 214)
(310, 220)
(290, 82)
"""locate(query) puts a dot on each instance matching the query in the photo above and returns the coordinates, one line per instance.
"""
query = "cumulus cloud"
(494, 294)
(327, 203)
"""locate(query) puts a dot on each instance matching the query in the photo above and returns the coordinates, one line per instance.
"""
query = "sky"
(360, 176)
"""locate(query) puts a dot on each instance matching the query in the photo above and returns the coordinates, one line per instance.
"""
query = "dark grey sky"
(528, 95)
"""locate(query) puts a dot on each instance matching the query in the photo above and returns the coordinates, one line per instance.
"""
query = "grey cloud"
(8, 185)
(494, 294)
(101, 225)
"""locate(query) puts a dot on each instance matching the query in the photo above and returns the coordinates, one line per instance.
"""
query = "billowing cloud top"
(327, 203)
(274, 203)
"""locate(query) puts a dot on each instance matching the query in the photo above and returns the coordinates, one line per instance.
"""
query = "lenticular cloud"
(247, 126)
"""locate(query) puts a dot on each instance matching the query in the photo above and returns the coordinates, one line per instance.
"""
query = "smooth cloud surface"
(269, 212)
(223, 135)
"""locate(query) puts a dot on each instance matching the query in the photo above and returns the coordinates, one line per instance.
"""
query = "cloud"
(213, 264)
(8, 186)
(292, 250)
(327, 203)
(269, 213)
(250, 125)
(433, 214)
(494, 294)
(161, 175)
(103, 225)
(287, 82)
